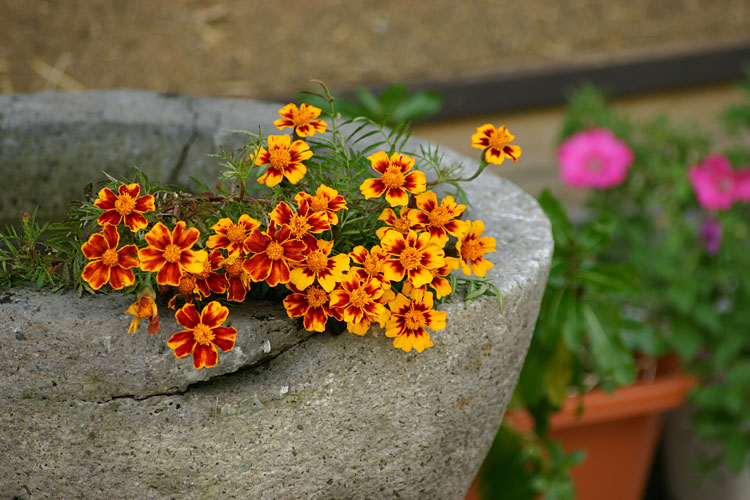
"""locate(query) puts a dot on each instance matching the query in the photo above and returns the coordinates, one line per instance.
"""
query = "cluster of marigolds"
(356, 288)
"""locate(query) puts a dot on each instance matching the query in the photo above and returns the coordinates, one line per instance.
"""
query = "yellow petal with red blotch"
(457, 227)
(419, 276)
(432, 256)
(214, 314)
(135, 221)
(279, 273)
(96, 274)
(388, 216)
(422, 342)
(318, 222)
(169, 274)
(258, 266)
(95, 247)
(159, 236)
(300, 151)
(451, 263)
(380, 161)
(282, 214)
(271, 178)
(263, 157)
(372, 188)
(315, 320)
(399, 303)
(183, 238)
(435, 320)
(106, 199)
(222, 225)
(302, 277)
(488, 243)
(396, 197)
(248, 222)
(288, 110)
(338, 299)
(295, 304)
(151, 259)
(182, 342)
(205, 356)
(283, 123)
(110, 217)
(415, 182)
(481, 139)
(441, 286)
(225, 337)
(427, 201)
(494, 156)
(132, 190)
(392, 270)
(294, 172)
(119, 278)
(360, 328)
(481, 266)
(393, 242)
(405, 163)
(145, 204)
(279, 141)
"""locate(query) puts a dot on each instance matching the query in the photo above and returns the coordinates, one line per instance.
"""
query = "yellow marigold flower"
(232, 236)
(496, 143)
(471, 249)
(284, 159)
(144, 307)
(439, 220)
(412, 257)
(275, 250)
(238, 280)
(439, 283)
(394, 180)
(402, 223)
(408, 320)
(326, 200)
(126, 205)
(108, 264)
(318, 265)
(203, 333)
(312, 303)
(169, 253)
(302, 119)
(302, 224)
(359, 302)
(372, 264)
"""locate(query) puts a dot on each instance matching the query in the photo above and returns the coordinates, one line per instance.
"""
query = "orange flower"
(238, 280)
(471, 248)
(394, 180)
(301, 119)
(496, 143)
(274, 250)
(408, 320)
(326, 200)
(144, 307)
(318, 265)
(311, 303)
(108, 264)
(302, 224)
(372, 264)
(283, 159)
(402, 224)
(439, 220)
(358, 302)
(413, 257)
(194, 286)
(439, 283)
(127, 205)
(232, 236)
(168, 254)
(203, 334)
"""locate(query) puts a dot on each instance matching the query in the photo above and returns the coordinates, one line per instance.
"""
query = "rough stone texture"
(90, 411)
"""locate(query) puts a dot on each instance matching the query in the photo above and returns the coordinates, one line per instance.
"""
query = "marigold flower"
(372, 264)
(412, 256)
(187, 289)
(303, 224)
(594, 158)
(496, 143)
(144, 307)
(713, 181)
(318, 265)
(408, 320)
(232, 236)
(326, 200)
(284, 159)
(302, 119)
(471, 248)
(168, 254)
(126, 205)
(439, 283)
(440, 220)
(194, 286)
(275, 250)
(401, 223)
(359, 302)
(312, 303)
(238, 280)
(108, 264)
(394, 180)
(203, 334)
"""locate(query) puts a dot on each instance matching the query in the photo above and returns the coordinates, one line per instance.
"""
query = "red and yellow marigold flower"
(275, 250)
(319, 265)
(495, 143)
(232, 236)
(302, 224)
(401, 223)
(284, 159)
(394, 180)
(238, 280)
(144, 307)
(312, 304)
(359, 303)
(169, 253)
(471, 248)
(410, 317)
(326, 200)
(203, 333)
(194, 286)
(302, 119)
(186, 289)
(439, 220)
(439, 283)
(372, 264)
(413, 257)
(126, 205)
(108, 264)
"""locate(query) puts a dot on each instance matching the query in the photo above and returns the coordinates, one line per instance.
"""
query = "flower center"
(499, 139)
(280, 158)
(302, 116)
(440, 216)
(402, 225)
(317, 261)
(187, 284)
(233, 267)
(393, 178)
(203, 334)
(145, 308)
(318, 203)
(471, 250)
(410, 258)
(274, 251)
(172, 253)
(414, 320)
(316, 296)
(594, 164)
(359, 298)
(299, 226)
(125, 204)
(236, 233)
(372, 265)
(206, 270)
(109, 258)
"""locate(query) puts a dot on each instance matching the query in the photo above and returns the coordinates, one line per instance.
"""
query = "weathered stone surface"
(325, 417)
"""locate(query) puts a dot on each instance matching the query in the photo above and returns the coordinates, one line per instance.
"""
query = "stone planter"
(90, 411)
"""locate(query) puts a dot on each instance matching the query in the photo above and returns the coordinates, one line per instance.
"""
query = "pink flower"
(742, 184)
(594, 158)
(713, 182)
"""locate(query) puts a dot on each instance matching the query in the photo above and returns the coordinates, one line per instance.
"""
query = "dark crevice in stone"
(181, 159)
